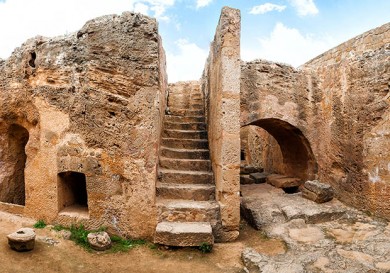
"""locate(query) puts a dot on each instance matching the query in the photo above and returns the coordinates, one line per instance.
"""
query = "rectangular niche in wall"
(72, 194)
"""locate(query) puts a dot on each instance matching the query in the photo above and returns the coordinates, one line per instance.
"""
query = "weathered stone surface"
(253, 261)
(183, 234)
(317, 191)
(220, 85)
(330, 118)
(282, 181)
(22, 239)
(246, 179)
(188, 211)
(90, 102)
(99, 240)
(259, 177)
(248, 169)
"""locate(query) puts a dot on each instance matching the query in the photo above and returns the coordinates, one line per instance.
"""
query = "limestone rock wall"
(354, 113)
(92, 103)
(221, 87)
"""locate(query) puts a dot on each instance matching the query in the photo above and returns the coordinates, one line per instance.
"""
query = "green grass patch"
(59, 228)
(120, 244)
(40, 224)
(80, 236)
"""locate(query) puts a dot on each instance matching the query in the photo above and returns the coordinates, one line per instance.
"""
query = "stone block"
(246, 179)
(259, 177)
(281, 181)
(317, 191)
(248, 169)
(22, 239)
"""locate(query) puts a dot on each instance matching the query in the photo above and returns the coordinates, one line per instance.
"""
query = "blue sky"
(288, 31)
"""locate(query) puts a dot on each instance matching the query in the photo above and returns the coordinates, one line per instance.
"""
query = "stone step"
(185, 153)
(196, 192)
(189, 119)
(187, 211)
(183, 234)
(184, 125)
(185, 143)
(185, 134)
(186, 112)
(185, 176)
(185, 164)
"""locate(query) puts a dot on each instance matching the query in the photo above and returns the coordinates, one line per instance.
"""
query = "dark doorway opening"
(12, 187)
(73, 192)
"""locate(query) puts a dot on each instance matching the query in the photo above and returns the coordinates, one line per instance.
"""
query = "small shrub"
(205, 247)
(40, 224)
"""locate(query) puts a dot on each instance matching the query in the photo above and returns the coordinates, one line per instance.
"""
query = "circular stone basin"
(22, 240)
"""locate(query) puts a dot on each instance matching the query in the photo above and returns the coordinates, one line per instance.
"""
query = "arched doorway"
(292, 155)
(13, 159)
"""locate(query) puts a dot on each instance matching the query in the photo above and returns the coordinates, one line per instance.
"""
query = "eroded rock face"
(91, 104)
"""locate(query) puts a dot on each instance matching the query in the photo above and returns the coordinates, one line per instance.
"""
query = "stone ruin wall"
(221, 86)
(340, 102)
(353, 81)
(92, 103)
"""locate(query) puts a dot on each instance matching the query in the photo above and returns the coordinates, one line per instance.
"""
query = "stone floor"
(328, 237)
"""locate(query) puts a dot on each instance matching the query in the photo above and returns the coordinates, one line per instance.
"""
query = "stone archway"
(298, 158)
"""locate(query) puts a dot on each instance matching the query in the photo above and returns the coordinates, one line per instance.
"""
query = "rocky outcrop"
(90, 104)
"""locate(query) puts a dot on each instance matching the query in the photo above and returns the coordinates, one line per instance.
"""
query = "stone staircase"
(186, 205)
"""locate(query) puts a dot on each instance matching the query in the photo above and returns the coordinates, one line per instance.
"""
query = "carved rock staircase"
(187, 209)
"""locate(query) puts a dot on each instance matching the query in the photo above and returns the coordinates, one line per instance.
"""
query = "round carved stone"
(22, 240)
(99, 240)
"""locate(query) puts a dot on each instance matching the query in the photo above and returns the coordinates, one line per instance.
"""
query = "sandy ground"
(65, 256)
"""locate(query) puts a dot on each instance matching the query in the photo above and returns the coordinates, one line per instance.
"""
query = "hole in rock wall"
(31, 62)
(72, 192)
(13, 161)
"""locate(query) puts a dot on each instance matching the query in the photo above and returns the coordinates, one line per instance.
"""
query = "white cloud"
(288, 45)
(267, 7)
(187, 63)
(203, 3)
(141, 8)
(304, 7)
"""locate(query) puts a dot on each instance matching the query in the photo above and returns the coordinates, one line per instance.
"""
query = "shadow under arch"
(298, 156)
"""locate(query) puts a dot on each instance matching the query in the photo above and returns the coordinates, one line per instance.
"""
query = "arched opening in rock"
(279, 147)
(12, 186)
(72, 192)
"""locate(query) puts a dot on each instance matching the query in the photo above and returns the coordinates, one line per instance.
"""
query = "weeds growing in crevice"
(40, 224)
